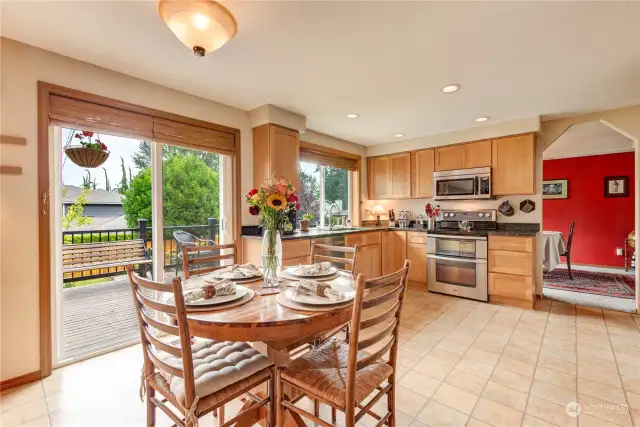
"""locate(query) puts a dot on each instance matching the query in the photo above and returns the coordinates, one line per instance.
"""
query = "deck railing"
(171, 248)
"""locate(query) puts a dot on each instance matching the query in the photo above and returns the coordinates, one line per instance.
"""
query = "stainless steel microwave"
(462, 184)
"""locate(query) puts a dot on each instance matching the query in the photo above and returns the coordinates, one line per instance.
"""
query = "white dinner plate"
(348, 292)
(291, 271)
(241, 291)
(226, 274)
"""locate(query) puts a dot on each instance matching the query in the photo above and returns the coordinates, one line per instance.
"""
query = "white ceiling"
(588, 139)
(384, 60)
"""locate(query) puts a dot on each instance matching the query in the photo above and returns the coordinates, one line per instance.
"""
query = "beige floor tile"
(466, 381)
(604, 410)
(550, 412)
(482, 356)
(598, 363)
(22, 414)
(437, 415)
(629, 371)
(455, 398)
(496, 414)
(633, 399)
(511, 379)
(20, 395)
(602, 353)
(631, 384)
(517, 366)
(520, 344)
(38, 422)
(586, 420)
(427, 338)
(557, 365)
(527, 336)
(420, 383)
(559, 342)
(602, 377)
(415, 347)
(628, 359)
(409, 402)
(506, 396)
(461, 338)
(558, 353)
(553, 393)
(443, 356)
(529, 421)
(635, 418)
(477, 423)
(474, 367)
(516, 353)
(433, 369)
(406, 332)
(596, 389)
(452, 346)
(499, 328)
(407, 359)
(555, 377)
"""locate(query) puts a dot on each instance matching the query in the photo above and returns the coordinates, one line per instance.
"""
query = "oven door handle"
(467, 260)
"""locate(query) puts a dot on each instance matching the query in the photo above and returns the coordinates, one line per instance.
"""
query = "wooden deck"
(98, 317)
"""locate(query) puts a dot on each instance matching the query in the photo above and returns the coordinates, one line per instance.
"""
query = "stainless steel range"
(457, 253)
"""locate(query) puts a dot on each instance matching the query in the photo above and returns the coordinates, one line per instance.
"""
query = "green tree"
(309, 194)
(107, 184)
(74, 216)
(191, 193)
(142, 157)
(87, 183)
(124, 185)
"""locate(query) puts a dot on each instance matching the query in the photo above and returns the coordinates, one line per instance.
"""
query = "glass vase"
(271, 257)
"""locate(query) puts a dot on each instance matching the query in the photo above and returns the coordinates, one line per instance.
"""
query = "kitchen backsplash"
(417, 206)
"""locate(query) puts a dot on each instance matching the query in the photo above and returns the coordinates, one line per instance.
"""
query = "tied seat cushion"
(323, 371)
(218, 364)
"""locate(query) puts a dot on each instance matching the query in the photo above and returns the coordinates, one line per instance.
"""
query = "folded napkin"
(210, 290)
(239, 271)
(313, 269)
(311, 287)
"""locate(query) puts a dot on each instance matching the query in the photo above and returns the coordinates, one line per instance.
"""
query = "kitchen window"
(325, 193)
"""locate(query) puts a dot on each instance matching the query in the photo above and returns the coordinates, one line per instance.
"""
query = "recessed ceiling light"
(451, 88)
(399, 135)
(482, 119)
(352, 116)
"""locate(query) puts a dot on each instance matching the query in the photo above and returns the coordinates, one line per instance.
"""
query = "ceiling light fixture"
(352, 116)
(482, 119)
(451, 88)
(201, 25)
(399, 135)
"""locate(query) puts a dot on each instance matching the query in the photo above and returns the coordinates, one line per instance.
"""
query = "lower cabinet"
(417, 254)
(369, 252)
(394, 250)
(294, 252)
(511, 263)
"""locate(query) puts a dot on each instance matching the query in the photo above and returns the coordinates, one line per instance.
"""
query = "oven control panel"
(475, 216)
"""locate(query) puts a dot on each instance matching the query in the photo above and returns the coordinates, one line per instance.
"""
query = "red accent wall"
(602, 223)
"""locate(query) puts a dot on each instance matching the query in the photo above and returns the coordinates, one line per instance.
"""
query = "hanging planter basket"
(86, 157)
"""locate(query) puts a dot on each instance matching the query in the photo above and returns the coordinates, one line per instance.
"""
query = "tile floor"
(461, 363)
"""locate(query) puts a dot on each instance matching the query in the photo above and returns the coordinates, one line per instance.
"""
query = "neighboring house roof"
(102, 223)
(96, 197)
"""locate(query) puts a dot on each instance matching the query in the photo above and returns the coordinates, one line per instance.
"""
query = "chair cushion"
(323, 371)
(218, 364)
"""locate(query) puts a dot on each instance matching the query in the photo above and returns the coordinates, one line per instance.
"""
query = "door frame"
(45, 90)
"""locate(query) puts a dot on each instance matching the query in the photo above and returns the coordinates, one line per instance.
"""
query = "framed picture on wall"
(616, 186)
(555, 189)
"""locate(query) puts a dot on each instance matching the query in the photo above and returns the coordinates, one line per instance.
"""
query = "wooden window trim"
(326, 156)
(45, 91)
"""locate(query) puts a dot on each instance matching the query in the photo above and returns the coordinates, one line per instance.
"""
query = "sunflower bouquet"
(273, 201)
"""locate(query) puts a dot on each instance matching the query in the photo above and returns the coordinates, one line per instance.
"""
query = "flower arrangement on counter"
(273, 201)
(432, 211)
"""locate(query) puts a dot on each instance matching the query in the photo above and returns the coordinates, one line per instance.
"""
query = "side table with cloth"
(553, 247)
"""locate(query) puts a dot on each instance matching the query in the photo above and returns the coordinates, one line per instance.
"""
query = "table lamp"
(377, 211)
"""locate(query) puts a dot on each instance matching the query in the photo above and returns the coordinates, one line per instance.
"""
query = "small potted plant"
(304, 222)
(91, 152)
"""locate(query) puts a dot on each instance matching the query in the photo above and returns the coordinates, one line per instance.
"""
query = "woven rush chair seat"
(324, 372)
(216, 365)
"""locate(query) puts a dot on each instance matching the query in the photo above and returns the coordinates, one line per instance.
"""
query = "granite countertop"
(504, 229)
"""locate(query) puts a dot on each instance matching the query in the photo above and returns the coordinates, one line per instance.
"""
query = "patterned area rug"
(613, 285)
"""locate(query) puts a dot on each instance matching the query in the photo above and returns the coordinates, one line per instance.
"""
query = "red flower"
(78, 136)
(104, 146)
(252, 193)
(254, 210)
(293, 198)
(87, 133)
(297, 206)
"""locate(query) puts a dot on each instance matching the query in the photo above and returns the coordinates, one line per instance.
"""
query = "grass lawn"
(87, 282)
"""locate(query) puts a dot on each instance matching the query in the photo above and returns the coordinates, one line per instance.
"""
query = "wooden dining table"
(271, 328)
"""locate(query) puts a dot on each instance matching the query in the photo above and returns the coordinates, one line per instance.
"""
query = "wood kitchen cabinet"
(294, 252)
(369, 252)
(417, 254)
(463, 156)
(400, 176)
(511, 261)
(276, 150)
(378, 177)
(422, 167)
(477, 154)
(449, 158)
(394, 250)
(513, 162)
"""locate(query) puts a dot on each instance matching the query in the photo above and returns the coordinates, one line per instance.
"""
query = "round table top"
(263, 319)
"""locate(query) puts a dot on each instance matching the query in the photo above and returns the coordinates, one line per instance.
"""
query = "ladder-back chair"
(319, 253)
(190, 264)
(223, 370)
(320, 374)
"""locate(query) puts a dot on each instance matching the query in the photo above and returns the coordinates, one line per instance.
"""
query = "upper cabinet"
(389, 176)
(276, 151)
(422, 167)
(378, 175)
(463, 156)
(513, 165)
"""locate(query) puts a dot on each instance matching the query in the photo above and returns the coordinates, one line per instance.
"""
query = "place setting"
(319, 271)
(311, 295)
